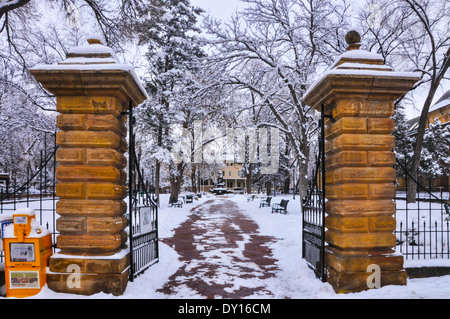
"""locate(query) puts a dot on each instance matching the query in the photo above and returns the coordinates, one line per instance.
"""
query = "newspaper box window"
(28, 247)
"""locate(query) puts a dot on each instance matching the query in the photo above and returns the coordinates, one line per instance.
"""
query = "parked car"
(219, 191)
(237, 190)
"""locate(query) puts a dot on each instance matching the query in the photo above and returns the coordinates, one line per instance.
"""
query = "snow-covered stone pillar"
(92, 89)
(359, 92)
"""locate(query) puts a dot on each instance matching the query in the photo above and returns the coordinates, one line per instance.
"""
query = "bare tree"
(433, 65)
(112, 17)
(414, 35)
(31, 34)
(274, 48)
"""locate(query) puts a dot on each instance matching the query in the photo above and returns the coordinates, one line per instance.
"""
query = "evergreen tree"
(403, 142)
(435, 160)
(167, 29)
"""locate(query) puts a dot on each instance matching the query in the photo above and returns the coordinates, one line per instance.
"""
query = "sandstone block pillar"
(92, 90)
(359, 91)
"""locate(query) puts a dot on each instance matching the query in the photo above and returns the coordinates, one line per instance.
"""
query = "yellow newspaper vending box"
(28, 247)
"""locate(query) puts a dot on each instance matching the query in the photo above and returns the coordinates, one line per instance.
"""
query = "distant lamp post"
(293, 182)
(153, 178)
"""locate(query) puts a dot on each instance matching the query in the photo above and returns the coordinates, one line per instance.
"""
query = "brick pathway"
(224, 256)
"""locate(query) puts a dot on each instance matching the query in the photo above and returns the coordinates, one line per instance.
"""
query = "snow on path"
(293, 279)
(224, 256)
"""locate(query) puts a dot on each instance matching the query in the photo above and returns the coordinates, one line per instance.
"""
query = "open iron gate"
(313, 211)
(39, 191)
(142, 214)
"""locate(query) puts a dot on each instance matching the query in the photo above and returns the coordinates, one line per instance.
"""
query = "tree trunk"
(302, 184)
(175, 181)
(287, 182)
(158, 165)
(269, 188)
(193, 179)
(438, 75)
(412, 185)
(157, 178)
(249, 179)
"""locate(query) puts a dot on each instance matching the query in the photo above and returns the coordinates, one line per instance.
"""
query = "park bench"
(251, 198)
(281, 207)
(265, 202)
(175, 203)
(189, 198)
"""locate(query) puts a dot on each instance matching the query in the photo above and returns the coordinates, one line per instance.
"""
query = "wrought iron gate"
(423, 227)
(142, 214)
(313, 210)
(34, 189)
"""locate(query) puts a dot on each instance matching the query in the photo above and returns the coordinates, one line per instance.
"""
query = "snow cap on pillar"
(92, 69)
(359, 73)
(95, 39)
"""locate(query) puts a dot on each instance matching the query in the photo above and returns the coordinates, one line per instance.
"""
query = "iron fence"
(423, 227)
(37, 192)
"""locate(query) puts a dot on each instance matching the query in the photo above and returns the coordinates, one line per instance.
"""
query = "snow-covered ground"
(294, 279)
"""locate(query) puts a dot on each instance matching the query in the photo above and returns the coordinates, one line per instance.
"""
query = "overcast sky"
(220, 9)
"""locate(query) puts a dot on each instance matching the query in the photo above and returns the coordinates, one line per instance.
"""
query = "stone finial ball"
(352, 37)
(95, 39)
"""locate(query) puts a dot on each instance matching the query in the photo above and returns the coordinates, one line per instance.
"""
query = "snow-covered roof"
(413, 124)
(442, 102)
